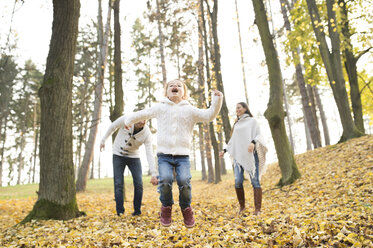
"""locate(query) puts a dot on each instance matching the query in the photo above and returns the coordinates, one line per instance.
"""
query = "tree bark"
(242, 58)
(308, 117)
(96, 117)
(56, 195)
(351, 68)
(217, 69)
(118, 87)
(333, 66)
(161, 45)
(322, 116)
(202, 151)
(275, 112)
(222, 161)
(210, 172)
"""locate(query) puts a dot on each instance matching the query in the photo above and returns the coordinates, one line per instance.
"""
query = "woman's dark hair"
(245, 106)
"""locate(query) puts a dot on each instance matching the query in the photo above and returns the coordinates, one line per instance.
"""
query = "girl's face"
(175, 91)
(240, 110)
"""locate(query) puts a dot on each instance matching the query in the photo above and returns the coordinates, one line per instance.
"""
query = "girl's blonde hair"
(185, 96)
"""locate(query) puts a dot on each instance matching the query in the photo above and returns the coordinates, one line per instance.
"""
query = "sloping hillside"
(330, 205)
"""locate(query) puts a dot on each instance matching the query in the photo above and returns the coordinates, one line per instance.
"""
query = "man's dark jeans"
(134, 164)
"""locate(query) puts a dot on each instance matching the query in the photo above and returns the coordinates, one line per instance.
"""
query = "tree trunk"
(210, 167)
(161, 45)
(217, 69)
(56, 195)
(275, 112)
(351, 68)
(210, 172)
(222, 161)
(202, 151)
(96, 117)
(201, 90)
(322, 116)
(242, 58)
(333, 66)
(2, 151)
(118, 87)
(307, 131)
(308, 117)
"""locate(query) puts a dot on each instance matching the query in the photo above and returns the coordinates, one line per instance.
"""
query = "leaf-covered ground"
(330, 206)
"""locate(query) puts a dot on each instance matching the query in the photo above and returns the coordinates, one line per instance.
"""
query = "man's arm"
(114, 126)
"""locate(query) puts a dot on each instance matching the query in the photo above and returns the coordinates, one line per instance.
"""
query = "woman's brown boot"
(257, 200)
(241, 198)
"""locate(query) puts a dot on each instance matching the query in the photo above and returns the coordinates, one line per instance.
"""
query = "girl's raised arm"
(141, 115)
(206, 115)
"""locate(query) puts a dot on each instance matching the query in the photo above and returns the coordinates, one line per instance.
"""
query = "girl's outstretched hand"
(217, 93)
(154, 180)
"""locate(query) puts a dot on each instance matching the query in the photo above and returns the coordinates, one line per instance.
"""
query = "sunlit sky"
(32, 23)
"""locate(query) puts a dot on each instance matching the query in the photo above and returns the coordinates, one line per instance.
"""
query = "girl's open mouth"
(175, 90)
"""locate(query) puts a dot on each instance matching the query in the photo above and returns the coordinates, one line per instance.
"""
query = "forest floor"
(329, 206)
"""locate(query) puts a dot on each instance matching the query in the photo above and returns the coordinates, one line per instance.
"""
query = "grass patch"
(104, 185)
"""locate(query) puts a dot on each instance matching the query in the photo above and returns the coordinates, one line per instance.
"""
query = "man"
(126, 153)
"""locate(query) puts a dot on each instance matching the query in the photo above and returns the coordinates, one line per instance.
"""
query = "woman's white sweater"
(175, 123)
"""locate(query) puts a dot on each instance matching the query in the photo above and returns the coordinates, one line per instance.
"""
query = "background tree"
(275, 112)
(309, 118)
(81, 183)
(56, 195)
(333, 64)
(117, 111)
(8, 74)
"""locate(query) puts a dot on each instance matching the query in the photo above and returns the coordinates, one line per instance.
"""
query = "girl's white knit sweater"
(175, 123)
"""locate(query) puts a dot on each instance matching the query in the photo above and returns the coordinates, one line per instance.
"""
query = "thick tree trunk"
(308, 117)
(56, 195)
(333, 66)
(275, 112)
(96, 117)
(215, 147)
(161, 45)
(351, 68)
(217, 69)
(241, 51)
(322, 116)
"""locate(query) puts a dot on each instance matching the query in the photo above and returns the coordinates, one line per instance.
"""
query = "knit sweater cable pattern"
(175, 123)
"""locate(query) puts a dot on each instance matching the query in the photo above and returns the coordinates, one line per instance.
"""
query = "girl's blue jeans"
(166, 164)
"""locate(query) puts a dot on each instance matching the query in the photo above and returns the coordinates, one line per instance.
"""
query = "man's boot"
(257, 200)
(241, 198)
(165, 217)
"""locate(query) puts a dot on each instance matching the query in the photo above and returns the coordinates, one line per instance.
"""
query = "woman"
(175, 121)
(245, 148)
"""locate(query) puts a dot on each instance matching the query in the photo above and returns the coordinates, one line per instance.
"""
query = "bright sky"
(32, 23)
